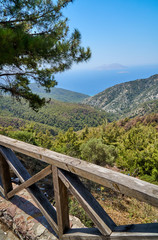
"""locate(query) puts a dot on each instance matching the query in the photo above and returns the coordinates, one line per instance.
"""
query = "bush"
(97, 152)
(138, 151)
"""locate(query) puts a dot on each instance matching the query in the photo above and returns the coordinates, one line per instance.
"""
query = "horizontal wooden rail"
(127, 185)
(94, 234)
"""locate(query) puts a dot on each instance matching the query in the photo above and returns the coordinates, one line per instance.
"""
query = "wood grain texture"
(88, 202)
(138, 228)
(84, 234)
(61, 200)
(94, 234)
(37, 177)
(136, 231)
(133, 236)
(1, 187)
(127, 185)
(44, 205)
(5, 176)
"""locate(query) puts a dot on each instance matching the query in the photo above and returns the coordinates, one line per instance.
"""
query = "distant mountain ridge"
(59, 94)
(124, 98)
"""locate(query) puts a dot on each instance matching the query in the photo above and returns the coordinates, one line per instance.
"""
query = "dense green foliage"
(68, 143)
(131, 144)
(35, 45)
(56, 114)
(59, 94)
(136, 141)
(17, 123)
(138, 151)
(30, 134)
(97, 152)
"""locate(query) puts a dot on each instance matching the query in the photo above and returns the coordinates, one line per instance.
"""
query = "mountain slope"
(18, 123)
(59, 94)
(123, 98)
(56, 114)
(145, 108)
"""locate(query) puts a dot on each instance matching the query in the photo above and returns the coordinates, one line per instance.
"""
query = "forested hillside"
(18, 124)
(124, 98)
(56, 114)
(129, 146)
(58, 94)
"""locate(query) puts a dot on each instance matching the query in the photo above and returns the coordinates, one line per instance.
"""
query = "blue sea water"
(92, 82)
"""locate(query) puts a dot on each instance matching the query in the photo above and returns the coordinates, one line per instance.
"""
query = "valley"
(124, 140)
(56, 114)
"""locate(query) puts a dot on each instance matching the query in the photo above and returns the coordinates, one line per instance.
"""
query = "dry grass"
(125, 210)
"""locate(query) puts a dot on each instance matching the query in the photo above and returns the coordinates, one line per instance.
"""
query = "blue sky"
(123, 38)
(117, 31)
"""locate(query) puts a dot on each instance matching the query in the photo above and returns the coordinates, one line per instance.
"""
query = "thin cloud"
(123, 72)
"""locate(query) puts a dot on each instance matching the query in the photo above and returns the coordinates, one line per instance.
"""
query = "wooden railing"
(65, 172)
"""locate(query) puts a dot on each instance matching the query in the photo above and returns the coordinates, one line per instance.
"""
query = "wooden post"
(5, 175)
(61, 199)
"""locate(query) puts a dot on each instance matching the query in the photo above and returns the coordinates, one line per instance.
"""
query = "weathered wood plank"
(133, 236)
(44, 205)
(94, 234)
(138, 228)
(130, 186)
(37, 177)
(136, 231)
(84, 234)
(1, 186)
(5, 175)
(102, 220)
(61, 200)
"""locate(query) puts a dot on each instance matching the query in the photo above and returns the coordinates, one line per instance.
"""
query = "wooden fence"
(65, 172)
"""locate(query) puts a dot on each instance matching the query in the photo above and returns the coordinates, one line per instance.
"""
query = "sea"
(93, 81)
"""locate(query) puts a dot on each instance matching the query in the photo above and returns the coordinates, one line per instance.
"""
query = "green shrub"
(97, 152)
(138, 151)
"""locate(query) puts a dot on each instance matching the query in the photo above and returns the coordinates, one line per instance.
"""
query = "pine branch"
(29, 18)
(14, 74)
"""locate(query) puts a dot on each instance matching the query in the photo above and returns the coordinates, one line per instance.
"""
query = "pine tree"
(35, 44)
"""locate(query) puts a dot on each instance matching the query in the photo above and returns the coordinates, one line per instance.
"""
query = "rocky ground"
(6, 233)
(22, 216)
